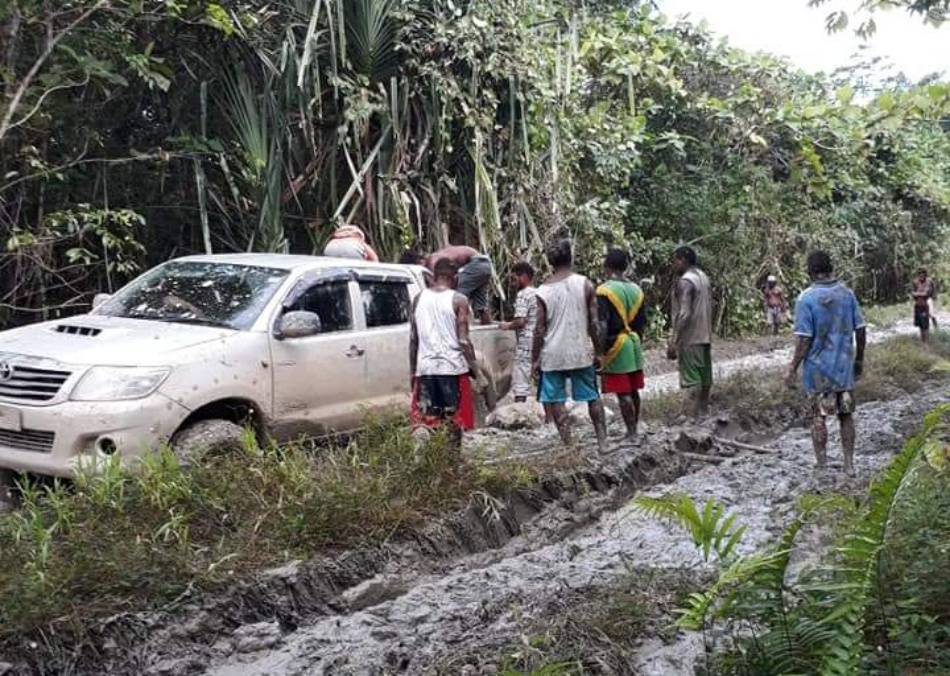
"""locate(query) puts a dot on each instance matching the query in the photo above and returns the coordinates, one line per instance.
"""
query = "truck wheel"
(205, 437)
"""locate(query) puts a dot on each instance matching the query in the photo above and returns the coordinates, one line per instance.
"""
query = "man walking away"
(775, 304)
(474, 276)
(922, 290)
(441, 356)
(691, 339)
(566, 331)
(526, 316)
(622, 311)
(349, 241)
(828, 323)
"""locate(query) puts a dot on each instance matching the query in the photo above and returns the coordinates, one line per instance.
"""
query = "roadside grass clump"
(875, 604)
(118, 540)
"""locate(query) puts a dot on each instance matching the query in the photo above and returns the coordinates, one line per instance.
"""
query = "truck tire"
(206, 437)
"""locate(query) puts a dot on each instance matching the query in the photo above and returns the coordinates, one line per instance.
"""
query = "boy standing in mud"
(691, 339)
(441, 356)
(831, 339)
(526, 316)
(621, 308)
(775, 305)
(566, 329)
(922, 291)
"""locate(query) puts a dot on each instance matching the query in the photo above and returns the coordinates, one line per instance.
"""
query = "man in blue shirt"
(831, 338)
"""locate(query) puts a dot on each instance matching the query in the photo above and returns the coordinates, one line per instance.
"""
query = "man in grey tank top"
(691, 337)
(566, 341)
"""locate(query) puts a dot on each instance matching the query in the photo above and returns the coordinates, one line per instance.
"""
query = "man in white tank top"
(441, 356)
(566, 340)
(691, 338)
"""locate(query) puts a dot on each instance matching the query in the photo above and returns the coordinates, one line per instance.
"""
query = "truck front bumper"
(57, 440)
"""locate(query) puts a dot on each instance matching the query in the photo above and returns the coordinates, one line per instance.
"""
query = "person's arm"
(540, 330)
(804, 332)
(515, 324)
(604, 309)
(370, 254)
(639, 324)
(413, 339)
(684, 315)
(860, 337)
(593, 320)
(461, 326)
(520, 319)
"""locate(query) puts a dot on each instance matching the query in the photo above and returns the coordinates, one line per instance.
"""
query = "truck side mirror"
(297, 324)
(99, 299)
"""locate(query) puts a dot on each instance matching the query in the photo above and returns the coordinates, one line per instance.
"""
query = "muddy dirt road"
(419, 619)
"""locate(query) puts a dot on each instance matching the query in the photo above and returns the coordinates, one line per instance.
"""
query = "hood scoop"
(77, 330)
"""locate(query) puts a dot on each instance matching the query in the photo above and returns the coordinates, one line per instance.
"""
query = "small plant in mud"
(119, 540)
(709, 527)
(859, 611)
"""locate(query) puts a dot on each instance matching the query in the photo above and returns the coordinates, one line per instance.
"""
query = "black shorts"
(439, 396)
(922, 317)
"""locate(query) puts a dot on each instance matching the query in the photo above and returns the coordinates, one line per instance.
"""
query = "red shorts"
(464, 416)
(623, 383)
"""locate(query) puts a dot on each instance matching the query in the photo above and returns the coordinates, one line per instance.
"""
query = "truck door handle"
(355, 352)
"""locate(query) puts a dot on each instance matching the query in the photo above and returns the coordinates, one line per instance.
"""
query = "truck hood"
(106, 341)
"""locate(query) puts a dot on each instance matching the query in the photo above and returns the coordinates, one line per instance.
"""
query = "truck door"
(320, 381)
(385, 300)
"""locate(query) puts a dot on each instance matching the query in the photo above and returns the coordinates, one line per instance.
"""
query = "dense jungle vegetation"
(136, 130)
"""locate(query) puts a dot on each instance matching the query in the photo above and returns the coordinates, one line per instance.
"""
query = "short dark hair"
(819, 263)
(446, 267)
(686, 253)
(559, 253)
(410, 257)
(523, 268)
(921, 271)
(617, 260)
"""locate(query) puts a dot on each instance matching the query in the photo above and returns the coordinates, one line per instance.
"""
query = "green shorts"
(695, 366)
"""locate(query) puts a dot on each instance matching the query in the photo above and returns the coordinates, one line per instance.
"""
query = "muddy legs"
(699, 401)
(847, 442)
(630, 409)
(599, 418)
(558, 412)
(819, 438)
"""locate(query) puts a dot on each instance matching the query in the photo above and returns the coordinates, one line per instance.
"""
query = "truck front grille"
(27, 383)
(34, 441)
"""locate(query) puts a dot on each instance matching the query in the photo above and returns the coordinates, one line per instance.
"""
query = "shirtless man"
(566, 340)
(691, 340)
(922, 291)
(474, 276)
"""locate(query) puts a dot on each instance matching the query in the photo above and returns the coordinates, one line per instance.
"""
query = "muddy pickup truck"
(197, 348)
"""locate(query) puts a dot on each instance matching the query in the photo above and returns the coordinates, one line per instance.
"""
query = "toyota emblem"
(6, 371)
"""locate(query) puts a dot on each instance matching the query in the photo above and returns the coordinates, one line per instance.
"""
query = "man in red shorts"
(622, 310)
(441, 356)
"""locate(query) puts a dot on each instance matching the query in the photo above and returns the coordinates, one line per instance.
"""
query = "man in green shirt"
(621, 308)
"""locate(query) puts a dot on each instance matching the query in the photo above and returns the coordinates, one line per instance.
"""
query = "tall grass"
(116, 540)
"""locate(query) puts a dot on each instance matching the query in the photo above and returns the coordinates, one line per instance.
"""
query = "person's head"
(446, 272)
(922, 274)
(771, 280)
(523, 274)
(559, 254)
(683, 259)
(819, 264)
(410, 257)
(616, 262)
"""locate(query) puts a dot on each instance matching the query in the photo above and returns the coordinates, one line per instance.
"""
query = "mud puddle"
(483, 601)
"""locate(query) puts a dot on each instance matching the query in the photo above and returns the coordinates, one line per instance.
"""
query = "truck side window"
(331, 302)
(385, 303)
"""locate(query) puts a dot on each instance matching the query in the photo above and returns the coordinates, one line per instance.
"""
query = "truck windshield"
(191, 292)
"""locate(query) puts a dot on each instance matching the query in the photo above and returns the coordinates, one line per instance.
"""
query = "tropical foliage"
(135, 131)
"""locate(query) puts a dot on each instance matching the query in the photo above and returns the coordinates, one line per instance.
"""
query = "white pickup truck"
(200, 346)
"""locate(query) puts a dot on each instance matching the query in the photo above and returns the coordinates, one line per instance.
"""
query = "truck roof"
(290, 261)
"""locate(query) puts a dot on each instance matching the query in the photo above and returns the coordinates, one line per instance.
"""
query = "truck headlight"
(115, 383)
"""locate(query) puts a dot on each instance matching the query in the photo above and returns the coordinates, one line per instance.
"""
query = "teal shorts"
(695, 366)
(553, 388)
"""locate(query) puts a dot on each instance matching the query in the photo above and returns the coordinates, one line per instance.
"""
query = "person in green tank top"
(621, 307)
